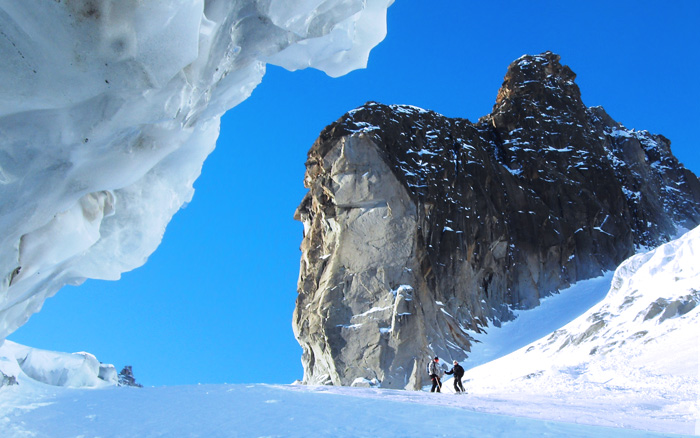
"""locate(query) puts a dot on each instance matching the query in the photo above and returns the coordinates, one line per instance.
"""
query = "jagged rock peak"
(421, 230)
(126, 377)
(538, 73)
(537, 84)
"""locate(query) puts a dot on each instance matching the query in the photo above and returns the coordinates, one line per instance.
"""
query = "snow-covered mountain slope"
(553, 313)
(637, 349)
(613, 362)
(108, 109)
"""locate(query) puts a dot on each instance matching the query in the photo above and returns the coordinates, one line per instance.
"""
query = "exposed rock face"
(126, 377)
(420, 229)
(6, 380)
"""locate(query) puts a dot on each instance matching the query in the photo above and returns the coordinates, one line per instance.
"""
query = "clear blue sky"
(214, 303)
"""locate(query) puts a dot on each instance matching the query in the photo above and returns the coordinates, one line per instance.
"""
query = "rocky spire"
(126, 377)
(537, 86)
(421, 230)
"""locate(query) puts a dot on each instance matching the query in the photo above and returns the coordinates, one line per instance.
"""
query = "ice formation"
(74, 370)
(108, 109)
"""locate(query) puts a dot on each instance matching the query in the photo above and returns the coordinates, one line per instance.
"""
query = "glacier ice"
(76, 370)
(108, 108)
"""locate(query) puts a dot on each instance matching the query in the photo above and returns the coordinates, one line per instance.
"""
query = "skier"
(458, 371)
(434, 371)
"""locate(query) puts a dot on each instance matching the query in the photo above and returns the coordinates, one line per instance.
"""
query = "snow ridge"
(638, 347)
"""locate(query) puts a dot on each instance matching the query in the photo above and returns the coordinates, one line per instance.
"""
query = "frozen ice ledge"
(108, 109)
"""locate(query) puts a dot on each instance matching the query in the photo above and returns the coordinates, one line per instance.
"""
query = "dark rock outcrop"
(126, 377)
(421, 229)
(6, 380)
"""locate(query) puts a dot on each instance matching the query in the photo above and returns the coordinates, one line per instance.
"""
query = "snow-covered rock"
(365, 383)
(76, 370)
(126, 377)
(478, 220)
(108, 109)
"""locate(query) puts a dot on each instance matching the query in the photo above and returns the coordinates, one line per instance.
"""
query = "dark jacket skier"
(434, 373)
(458, 371)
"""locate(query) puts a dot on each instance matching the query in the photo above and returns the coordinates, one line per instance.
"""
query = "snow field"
(271, 411)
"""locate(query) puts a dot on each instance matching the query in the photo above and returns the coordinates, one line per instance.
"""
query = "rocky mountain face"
(420, 229)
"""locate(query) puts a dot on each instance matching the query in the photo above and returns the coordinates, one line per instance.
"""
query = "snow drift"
(108, 109)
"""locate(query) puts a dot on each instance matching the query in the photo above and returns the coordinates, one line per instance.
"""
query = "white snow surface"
(615, 356)
(215, 411)
(108, 109)
(635, 354)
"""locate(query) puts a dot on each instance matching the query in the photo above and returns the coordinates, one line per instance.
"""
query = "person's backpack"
(428, 367)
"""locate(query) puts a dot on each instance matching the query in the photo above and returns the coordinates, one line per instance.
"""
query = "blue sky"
(214, 303)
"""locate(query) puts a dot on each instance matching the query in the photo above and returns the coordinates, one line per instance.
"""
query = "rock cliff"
(420, 229)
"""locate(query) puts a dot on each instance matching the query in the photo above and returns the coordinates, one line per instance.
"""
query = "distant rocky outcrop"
(420, 229)
(6, 380)
(126, 377)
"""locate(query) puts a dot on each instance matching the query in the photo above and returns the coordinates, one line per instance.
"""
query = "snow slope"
(635, 353)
